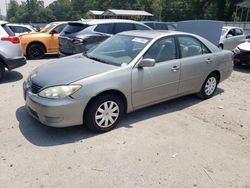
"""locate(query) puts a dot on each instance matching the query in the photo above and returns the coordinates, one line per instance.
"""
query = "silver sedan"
(127, 72)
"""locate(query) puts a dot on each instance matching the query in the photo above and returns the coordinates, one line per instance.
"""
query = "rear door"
(196, 64)
(154, 84)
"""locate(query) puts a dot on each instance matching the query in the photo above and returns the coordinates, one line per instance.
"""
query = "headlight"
(236, 51)
(59, 92)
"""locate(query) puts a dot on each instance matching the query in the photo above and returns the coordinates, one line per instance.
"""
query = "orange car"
(36, 45)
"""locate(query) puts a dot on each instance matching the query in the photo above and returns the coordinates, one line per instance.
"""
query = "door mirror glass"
(147, 63)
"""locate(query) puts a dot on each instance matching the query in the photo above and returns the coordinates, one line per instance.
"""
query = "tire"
(35, 51)
(95, 117)
(209, 86)
(221, 46)
(2, 71)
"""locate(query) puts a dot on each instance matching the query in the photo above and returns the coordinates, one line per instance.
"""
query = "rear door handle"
(175, 68)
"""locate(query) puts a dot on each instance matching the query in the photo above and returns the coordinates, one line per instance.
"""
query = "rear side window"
(105, 28)
(8, 30)
(74, 28)
(18, 29)
(161, 26)
(120, 27)
(238, 31)
(140, 27)
(191, 47)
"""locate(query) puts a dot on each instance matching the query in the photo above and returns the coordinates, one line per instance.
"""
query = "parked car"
(36, 45)
(242, 54)
(126, 72)
(80, 36)
(21, 28)
(160, 25)
(10, 50)
(231, 37)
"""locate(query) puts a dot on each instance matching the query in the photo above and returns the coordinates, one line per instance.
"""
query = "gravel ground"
(185, 142)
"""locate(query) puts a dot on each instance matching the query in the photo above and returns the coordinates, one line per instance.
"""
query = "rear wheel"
(104, 113)
(209, 86)
(2, 71)
(35, 51)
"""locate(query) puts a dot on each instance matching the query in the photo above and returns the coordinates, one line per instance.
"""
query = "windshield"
(118, 50)
(224, 30)
(47, 27)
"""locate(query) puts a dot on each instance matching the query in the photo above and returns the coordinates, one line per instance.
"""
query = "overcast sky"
(3, 5)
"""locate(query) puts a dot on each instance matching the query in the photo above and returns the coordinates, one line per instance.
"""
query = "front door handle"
(209, 61)
(175, 68)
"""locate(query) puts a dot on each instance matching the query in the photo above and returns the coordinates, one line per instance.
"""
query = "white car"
(21, 28)
(231, 37)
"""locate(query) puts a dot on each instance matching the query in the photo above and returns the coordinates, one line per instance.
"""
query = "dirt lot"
(185, 142)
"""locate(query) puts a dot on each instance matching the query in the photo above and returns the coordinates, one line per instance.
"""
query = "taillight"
(13, 39)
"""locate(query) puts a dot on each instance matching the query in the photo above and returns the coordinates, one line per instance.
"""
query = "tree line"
(34, 11)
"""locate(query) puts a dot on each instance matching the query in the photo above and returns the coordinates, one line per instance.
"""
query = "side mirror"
(229, 35)
(146, 63)
(53, 32)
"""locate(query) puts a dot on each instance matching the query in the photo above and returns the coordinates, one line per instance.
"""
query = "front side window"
(59, 28)
(162, 50)
(118, 50)
(120, 27)
(140, 27)
(190, 46)
(48, 27)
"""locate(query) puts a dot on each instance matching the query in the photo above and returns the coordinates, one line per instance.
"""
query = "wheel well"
(40, 43)
(217, 73)
(116, 92)
(3, 63)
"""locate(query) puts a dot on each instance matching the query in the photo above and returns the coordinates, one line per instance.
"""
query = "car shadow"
(242, 68)
(44, 136)
(12, 76)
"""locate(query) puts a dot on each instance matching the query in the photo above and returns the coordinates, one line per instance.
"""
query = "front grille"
(35, 88)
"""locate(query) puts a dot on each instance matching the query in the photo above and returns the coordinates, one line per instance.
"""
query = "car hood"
(244, 46)
(68, 70)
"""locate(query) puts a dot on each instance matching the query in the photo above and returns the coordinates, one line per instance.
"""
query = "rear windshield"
(74, 28)
(8, 30)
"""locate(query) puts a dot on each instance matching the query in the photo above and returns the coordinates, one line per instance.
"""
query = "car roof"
(58, 22)
(3, 22)
(231, 27)
(101, 21)
(24, 25)
(155, 22)
(151, 33)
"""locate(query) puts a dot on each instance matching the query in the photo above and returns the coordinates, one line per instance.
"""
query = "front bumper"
(243, 57)
(15, 62)
(55, 112)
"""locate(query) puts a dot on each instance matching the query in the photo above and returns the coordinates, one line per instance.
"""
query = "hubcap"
(210, 86)
(35, 52)
(107, 114)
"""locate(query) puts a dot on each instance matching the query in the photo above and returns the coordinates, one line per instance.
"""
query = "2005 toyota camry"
(127, 72)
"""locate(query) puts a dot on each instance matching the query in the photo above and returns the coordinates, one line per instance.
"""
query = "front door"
(154, 84)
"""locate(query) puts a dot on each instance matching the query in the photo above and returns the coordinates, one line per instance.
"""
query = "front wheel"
(104, 113)
(209, 86)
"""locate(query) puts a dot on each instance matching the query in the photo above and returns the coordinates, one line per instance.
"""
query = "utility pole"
(6, 6)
